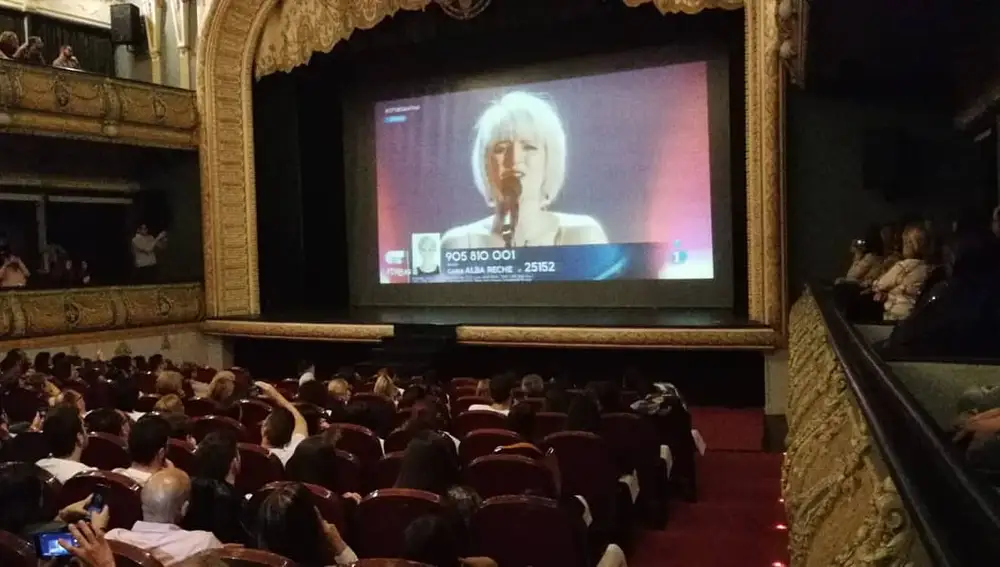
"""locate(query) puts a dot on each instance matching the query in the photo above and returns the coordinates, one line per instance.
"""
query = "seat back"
(400, 419)
(202, 426)
(398, 440)
(384, 515)
(146, 383)
(121, 495)
(146, 403)
(483, 442)
(253, 412)
(127, 555)
(329, 504)
(181, 455)
(15, 552)
(52, 488)
(460, 405)
(463, 391)
(588, 469)
(258, 467)
(548, 422)
(387, 471)
(473, 420)
(543, 533)
(499, 475)
(198, 407)
(536, 404)
(242, 557)
(106, 452)
(361, 442)
(22, 404)
(380, 562)
(350, 477)
(632, 439)
(29, 447)
(288, 387)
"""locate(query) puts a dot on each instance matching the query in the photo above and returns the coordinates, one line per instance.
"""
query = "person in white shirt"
(164, 502)
(64, 434)
(284, 428)
(307, 371)
(144, 247)
(147, 444)
(501, 392)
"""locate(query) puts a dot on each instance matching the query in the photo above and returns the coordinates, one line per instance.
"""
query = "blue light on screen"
(395, 118)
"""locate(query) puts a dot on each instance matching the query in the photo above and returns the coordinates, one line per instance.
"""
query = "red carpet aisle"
(738, 520)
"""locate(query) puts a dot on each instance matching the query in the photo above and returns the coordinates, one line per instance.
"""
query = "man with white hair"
(165, 500)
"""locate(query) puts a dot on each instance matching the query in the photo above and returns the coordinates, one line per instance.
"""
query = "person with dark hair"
(432, 540)
(155, 364)
(284, 428)
(557, 399)
(125, 394)
(42, 363)
(429, 463)
(501, 394)
(180, 427)
(306, 371)
(9, 42)
(106, 420)
(315, 417)
(22, 492)
(315, 462)
(411, 395)
(147, 444)
(216, 506)
(64, 434)
(313, 392)
(287, 523)
(533, 386)
(521, 420)
(31, 51)
(583, 415)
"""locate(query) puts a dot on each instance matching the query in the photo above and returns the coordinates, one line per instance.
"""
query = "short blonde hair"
(918, 239)
(520, 113)
(222, 386)
(385, 387)
(169, 382)
(171, 403)
(338, 388)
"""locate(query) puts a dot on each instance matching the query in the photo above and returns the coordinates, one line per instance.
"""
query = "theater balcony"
(871, 475)
(67, 103)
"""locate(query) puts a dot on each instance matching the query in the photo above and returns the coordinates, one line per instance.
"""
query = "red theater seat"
(520, 531)
(473, 420)
(588, 469)
(146, 403)
(350, 476)
(547, 423)
(181, 455)
(121, 495)
(198, 407)
(242, 557)
(498, 475)
(384, 515)
(482, 442)
(460, 405)
(360, 442)
(258, 467)
(29, 447)
(15, 552)
(202, 426)
(329, 504)
(106, 452)
(22, 405)
(131, 556)
(387, 471)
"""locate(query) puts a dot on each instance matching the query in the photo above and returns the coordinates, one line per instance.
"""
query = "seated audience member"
(424, 416)
(866, 258)
(411, 395)
(165, 500)
(483, 389)
(312, 392)
(899, 287)
(222, 389)
(284, 428)
(501, 390)
(430, 463)
(23, 495)
(156, 364)
(9, 42)
(66, 439)
(71, 399)
(42, 363)
(583, 415)
(316, 422)
(433, 540)
(315, 462)
(339, 390)
(521, 420)
(66, 59)
(533, 386)
(147, 445)
(960, 315)
(171, 403)
(216, 506)
(361, 413)
(306, 371)
(288, 523)
(13, 272)
(170, 382)
(384, 386)
(557, 399)
(31, 51)
(180, 427)
(124, 394)
(107, 420)
(608, 396)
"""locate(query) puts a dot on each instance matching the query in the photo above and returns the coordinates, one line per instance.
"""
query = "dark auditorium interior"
(515, 283)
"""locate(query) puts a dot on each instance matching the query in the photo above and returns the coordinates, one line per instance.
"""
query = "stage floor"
(537, 326)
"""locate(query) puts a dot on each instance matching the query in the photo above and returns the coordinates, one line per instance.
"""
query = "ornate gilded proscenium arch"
(242, 33)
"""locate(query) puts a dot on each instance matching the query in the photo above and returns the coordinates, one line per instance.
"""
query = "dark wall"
(170, 200)
(852, 163)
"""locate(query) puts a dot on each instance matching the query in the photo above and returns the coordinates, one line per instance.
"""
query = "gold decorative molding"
(26, 314)
(793, 26)
(113, 336)
(843, 509)
(298, 331)
(243, 35)
(70, 104)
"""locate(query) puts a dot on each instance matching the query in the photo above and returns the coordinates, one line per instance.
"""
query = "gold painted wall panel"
(47, 100)
(58, 312)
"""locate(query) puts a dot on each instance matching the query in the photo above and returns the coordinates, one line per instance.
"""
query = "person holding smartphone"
(284, 428)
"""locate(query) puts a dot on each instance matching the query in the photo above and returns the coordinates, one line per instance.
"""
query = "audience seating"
(288, 388)
(536, 403)
(29, 447)
(547, 423)
(22, 405)
(202, 426)
(105, 451)
(258, 467)
(397, 440)
(387, 470)
(181, 455)
(329, 504)
(473, 420)
(521, 531)
(498, 475)
(481, 442)
(242, 557)
(383, 516)
(199, 407)
(461, 405)
(400, 419)
(464, 391)
(588, 470)
(379, 404)
(349, 473)
(15, 552)
(131, 556)
(522, 449)
(52, 489)
(121, 495)
(99, 394)
(147, 383)
(146, 403)
(360, 442)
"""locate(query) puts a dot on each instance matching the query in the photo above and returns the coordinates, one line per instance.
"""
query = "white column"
(179, 11)
(154, 12)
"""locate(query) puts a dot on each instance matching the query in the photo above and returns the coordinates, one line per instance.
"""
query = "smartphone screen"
(97, 499)
(47, 544)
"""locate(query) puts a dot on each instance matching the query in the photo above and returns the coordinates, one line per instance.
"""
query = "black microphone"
(510, 204)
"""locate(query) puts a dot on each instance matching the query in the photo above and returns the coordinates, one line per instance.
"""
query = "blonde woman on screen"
(519, 166)
(429, 258)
